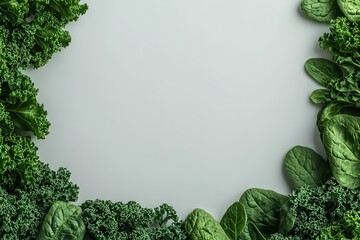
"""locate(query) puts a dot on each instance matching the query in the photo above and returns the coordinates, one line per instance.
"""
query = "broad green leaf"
(321, 10)
(320, 96)
(30, 116)
(200, 225)
(234, 220)
(323, 71)
(62, 222)
(333, 109)
(262, 208)
(287, 218)
(305, 167)
(254, 232)
(341, 140)
(350, 8)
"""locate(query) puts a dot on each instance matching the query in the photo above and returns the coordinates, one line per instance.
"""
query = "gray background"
(187, 102)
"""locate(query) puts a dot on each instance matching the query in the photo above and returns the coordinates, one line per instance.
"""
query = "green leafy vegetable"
(318, 208)
(305, 167)
(348, 227)
(23, 208)
(343, 41)
(201, 225)
(234, 220)
(351, 9)
(254, 232)
(262, 208)
(341, 139)
(18, 161)
(62, 222)
(323, 71)
(287, 218)
(333, 109)
(321, 10)
(107, 220)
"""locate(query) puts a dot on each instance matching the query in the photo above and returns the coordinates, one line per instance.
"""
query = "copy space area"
(185, 102)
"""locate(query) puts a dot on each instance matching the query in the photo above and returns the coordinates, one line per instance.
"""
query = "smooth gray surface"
(187, 102)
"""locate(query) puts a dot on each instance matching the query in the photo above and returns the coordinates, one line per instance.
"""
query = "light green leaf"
(234, 220)
(200, 225)
(323, 71)
(341, 140)
(350, 8)
(321, 10)
(62, 222)
(305, 167)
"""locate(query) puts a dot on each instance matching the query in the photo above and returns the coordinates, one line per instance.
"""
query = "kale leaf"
(106, 220)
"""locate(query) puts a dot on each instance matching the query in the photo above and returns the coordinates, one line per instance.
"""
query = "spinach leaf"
(335, 108)
(200, 225)
(63, 222)
(321, 96)
(305, 167)
(323, 71)
(262, 208)
(321, 10)
(254, 232)
(287, 218)
(350, 8)
(234, 220)
(341, 140)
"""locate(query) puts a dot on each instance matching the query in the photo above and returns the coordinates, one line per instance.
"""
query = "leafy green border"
(36, 202)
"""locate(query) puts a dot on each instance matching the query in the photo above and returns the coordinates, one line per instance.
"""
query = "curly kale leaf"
(18, 160)
(18, 95)
(13, 11)
(317, 208)
(107, 220)
(348, 227)
(34, 40)
(278, 236)
(64, 10)
(343, 41)
(23, 208)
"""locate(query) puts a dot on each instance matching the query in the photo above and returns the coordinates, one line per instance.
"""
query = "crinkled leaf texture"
(351, 9)
(341, 140)
(321, 10)
(63, 222)
(200, 225)
(305, 167)
(234, 220)
(333, 109)
(263, 208)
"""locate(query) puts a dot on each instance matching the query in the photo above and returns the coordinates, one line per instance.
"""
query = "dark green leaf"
(304, 167)
(254, 232)
(262, 207)
(287, 218)
(234, 220)
(320, 96)
(323, 71)
(333, 109)
(321, 10)
(341, 140)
